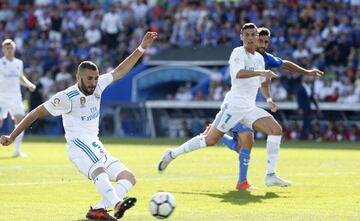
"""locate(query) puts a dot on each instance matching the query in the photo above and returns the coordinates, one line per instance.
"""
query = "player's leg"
(3, 113)
(89, 160)
(18, 141)
(224, 120)
(119, 173)
(17, 112)
(246, 139)
(226, 140)
(232, 142)
(123, 177)
(272, 128)
(110, 194)
(104, 186)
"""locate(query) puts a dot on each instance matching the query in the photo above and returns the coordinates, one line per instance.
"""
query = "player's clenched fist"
(148, 39)
(5, 140)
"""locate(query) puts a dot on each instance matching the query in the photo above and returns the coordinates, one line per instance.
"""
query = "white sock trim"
(274, 139)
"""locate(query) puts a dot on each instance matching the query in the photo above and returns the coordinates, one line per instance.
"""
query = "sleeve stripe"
(72, 94)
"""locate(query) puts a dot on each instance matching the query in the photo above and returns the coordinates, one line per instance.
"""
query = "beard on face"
(89, 90)
(261, 50)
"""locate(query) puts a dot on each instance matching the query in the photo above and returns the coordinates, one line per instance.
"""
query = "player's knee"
(276, 130)
(246, 139)
(126, 175)
(210, 141)
(97, 171)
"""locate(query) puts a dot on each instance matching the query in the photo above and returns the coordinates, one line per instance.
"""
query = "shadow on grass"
(238, 197)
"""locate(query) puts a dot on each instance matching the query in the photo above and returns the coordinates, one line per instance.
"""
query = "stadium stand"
(53, 37)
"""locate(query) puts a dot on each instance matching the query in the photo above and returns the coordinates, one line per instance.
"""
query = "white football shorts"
(229, 116)
(88, 155)
(13, 105)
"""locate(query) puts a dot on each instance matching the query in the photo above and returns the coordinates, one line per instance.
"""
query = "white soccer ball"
(162, 205)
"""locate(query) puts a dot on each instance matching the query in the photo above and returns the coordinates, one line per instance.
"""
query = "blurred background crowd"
(52, 37)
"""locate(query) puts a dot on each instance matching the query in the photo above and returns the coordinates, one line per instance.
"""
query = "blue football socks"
(229, 142)
(244, 159)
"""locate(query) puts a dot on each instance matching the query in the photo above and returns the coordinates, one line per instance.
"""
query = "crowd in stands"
(52, 37)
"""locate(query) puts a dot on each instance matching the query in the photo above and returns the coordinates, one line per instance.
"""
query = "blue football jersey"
(271, 61)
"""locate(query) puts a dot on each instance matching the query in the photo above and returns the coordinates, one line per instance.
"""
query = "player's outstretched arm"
(262, 73)
(124, 67)
(38, 112)
(291, 66)
(25, 82)
(265, 91)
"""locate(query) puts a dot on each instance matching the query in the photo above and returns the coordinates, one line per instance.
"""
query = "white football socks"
(190, 145)
(105, 188)
(122, 187)
(272, 148)
(18, 142)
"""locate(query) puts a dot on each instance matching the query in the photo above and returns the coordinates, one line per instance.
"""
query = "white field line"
(164, 178)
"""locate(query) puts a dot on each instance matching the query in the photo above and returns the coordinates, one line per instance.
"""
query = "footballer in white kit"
(11, 77)
(80, 115)
(248, 74)
(10, 95)
(239, 103)
(79, 106)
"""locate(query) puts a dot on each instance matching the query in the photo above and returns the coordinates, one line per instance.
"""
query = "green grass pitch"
(325, 176)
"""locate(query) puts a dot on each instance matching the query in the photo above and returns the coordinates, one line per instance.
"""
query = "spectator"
(111, 26)
(305, 97)
(278, 92)
(93, 35)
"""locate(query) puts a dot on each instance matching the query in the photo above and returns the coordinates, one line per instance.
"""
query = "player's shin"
(122, 187)
(18, 142)
(244, 159)
(229, 142)
(272, 148)
(191, 145)
(105, 188)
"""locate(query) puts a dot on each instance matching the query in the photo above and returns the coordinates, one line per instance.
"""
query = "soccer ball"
(162, 205)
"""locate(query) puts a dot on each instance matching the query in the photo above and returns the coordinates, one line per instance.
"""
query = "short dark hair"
(264, 31)
(248, 26)
(87, 65)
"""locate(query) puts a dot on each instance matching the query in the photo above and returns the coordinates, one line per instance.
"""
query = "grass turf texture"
(325, 176)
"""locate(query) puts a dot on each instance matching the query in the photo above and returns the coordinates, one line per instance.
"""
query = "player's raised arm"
(125, 66)
(291, 66)
(38, 112)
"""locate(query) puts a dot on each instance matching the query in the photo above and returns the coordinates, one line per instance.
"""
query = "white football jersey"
(244, 90)
(10, 73)
(80, 113)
